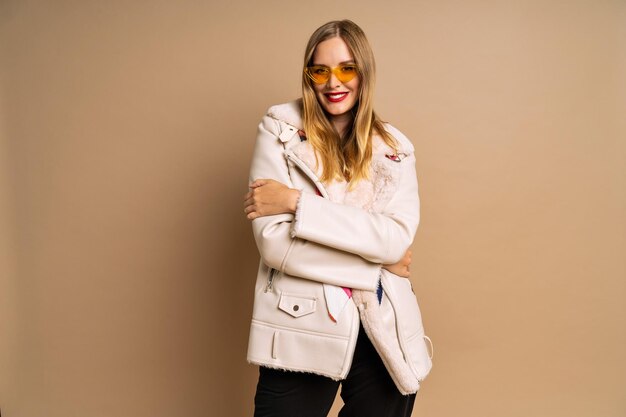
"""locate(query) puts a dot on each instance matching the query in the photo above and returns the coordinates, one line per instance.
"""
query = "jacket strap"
(287, 132)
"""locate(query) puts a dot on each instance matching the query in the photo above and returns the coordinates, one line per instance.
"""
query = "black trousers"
(368, 390)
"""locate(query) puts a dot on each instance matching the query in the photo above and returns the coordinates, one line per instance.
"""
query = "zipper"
(307, 172)
(302, 166)
(270, 280)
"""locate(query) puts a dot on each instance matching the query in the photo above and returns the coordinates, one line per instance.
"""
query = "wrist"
(293, 201)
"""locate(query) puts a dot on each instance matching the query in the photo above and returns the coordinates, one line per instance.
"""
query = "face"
(335, 97)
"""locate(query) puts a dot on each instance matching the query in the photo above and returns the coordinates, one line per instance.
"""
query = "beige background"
(127, 265)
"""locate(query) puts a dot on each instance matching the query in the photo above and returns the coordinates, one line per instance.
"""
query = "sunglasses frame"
(336, 70)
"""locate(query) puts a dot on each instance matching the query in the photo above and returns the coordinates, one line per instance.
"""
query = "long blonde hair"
(349, 157)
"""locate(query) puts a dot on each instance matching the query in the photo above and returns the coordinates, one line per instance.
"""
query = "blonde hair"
(347, 157)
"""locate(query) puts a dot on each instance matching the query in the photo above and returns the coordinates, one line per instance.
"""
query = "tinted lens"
(320, 74)
(345, 73)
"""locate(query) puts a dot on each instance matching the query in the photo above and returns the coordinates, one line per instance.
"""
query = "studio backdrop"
(127, 265)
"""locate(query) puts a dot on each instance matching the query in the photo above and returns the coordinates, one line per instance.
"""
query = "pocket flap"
(297, 305)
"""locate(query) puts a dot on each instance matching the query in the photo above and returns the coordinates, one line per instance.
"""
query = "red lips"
(336, 97)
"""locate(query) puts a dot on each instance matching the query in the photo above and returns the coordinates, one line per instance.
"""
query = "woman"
(334, 207)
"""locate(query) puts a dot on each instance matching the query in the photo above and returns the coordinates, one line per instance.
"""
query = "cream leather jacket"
(340, 238)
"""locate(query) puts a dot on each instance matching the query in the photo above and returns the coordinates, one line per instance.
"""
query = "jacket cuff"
(295, 225)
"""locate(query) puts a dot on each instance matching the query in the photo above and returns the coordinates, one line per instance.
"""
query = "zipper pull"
(270, 280)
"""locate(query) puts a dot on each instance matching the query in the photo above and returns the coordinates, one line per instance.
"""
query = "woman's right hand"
(267, 197)
(400, 268)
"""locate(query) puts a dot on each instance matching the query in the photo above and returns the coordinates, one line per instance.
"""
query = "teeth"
(337, 95)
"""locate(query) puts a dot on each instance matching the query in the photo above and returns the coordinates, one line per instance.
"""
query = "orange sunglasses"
(320, 74)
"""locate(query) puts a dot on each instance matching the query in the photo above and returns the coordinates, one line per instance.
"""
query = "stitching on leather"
(297, 330)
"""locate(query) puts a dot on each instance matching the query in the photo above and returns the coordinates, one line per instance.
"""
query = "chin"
(338, 109)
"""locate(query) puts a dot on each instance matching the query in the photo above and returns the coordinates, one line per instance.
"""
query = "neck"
(342, 122)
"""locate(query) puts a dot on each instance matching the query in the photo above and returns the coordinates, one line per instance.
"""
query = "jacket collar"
(290, 113)
(372, 193)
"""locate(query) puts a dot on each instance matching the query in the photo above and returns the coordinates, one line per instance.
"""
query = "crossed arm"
(269, 197)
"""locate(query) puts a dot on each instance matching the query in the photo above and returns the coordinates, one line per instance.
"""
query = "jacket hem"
(299, 370)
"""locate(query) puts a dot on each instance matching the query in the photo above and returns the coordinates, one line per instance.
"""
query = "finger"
(248, 202)
(258, 182)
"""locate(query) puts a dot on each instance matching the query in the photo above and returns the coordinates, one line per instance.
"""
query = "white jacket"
(340, 238)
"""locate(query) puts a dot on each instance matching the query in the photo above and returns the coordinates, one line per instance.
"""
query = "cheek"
(354, 85)
(319, 94)
(318, 88)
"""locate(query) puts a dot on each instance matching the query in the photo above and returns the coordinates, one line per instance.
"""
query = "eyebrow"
(351, 61)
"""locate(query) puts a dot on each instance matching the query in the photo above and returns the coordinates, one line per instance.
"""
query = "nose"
(333, 81)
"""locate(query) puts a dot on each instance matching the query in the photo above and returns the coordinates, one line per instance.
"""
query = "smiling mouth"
(336, 97)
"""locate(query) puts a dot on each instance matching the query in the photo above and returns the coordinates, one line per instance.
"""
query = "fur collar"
(372, 193)
(290, 113)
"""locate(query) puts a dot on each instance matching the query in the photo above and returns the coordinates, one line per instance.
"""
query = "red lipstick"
(336, 97)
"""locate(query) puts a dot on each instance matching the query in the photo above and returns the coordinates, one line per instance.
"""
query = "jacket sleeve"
(294, 255)
(378, 237)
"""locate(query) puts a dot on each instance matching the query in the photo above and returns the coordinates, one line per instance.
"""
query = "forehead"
(332, 52)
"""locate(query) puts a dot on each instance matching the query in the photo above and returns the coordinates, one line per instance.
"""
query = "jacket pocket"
(297, 305)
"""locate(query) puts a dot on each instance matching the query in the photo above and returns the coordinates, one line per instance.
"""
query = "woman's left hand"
(267, 197)
(401, 268)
